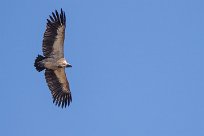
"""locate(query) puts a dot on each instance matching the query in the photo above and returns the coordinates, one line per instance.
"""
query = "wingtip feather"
(62, 99)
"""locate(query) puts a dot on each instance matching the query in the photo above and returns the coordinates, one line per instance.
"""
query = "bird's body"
(53, 60)
(53, 64)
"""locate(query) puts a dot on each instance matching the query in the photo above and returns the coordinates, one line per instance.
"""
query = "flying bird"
(53, 61)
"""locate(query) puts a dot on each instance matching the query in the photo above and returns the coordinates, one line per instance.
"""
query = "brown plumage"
(53, 60)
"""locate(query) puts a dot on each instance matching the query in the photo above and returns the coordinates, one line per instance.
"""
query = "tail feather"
(39, 67)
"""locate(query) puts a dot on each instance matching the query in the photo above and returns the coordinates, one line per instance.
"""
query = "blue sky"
(137, 68)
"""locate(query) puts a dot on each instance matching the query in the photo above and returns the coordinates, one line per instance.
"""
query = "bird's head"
(63, 63)
(68, 65)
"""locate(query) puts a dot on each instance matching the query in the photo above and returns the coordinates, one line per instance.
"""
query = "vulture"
(53, 61)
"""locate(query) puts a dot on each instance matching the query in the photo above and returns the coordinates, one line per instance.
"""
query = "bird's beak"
(68, 65)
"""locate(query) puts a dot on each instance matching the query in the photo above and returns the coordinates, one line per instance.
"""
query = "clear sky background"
(138, 68)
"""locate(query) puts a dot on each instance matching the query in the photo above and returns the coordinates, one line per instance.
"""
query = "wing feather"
(53, 40)
(59, 86)
(51, 18)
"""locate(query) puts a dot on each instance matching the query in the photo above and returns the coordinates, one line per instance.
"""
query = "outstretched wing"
(59, 86)
(53, 40)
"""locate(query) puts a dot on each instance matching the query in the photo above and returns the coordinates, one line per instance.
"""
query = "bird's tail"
(38, 65)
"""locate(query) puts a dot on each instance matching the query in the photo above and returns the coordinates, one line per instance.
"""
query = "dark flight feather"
(55, 27)
(60, 91)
